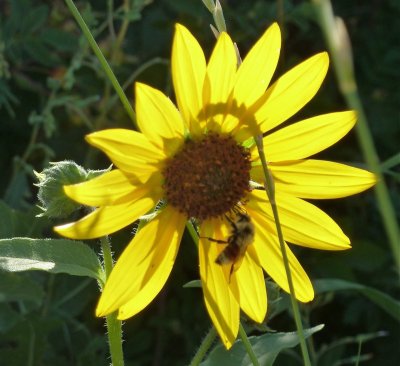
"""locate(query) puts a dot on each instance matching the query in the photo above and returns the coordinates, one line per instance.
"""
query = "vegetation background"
(53, 92)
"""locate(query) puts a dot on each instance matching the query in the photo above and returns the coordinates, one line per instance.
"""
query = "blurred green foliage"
(53, 91)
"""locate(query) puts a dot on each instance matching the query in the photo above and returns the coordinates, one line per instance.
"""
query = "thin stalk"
(270, 189)
(114, 326)
(122, 31)
(358, 352)
(102, 60)
(339, 47)
(204, 347)
(247, 345)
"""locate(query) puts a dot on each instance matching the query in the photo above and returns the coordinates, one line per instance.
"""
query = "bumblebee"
(241, 236)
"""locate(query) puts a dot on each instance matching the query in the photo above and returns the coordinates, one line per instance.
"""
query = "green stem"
(270, 189)
(340, 50)
(247, 345)
(114, 326)
(204, 347)
(101, 58)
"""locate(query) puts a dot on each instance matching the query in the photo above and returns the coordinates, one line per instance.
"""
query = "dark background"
(53, 92)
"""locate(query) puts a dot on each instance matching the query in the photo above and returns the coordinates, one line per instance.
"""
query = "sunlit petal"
(188, 72)
(105, 189)
(308, 137)
(257, 68)
(251, 284)
(219, 80)
(269, 255)
(144, 266)
(291, 92)
(302, 223)
(317, 179)
(157, 116)
(221, 302)
(165, 247)
(129, 150)
(109, 219)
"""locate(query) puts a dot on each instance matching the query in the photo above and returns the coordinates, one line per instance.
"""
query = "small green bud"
(54, 202)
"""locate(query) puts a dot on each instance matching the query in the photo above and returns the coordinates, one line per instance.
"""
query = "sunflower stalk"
(339, 47)
(204, 347)
(247, 345)
(114, 326)
(107, 69)
(270, 190)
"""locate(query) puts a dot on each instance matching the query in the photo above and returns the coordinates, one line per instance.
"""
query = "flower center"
(208, 177)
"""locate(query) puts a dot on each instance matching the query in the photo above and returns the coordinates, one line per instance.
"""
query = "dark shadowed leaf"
(387, 303)
(266, 347)
(15, 287)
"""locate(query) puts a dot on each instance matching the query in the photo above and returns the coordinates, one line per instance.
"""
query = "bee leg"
(214, 240)
(230, 272)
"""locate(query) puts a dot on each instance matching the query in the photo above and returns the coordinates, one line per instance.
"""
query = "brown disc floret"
(207, 177)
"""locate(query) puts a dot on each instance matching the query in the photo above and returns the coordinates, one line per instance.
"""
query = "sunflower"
(201, 163)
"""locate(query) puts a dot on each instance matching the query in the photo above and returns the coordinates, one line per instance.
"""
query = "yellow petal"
(219, 79)
(221, 302)
(109, 219)
(302, 223)
(129, 150)
(269, 255)
(144, 267)
(157, 116)
(252, 292)
(291, 92)
(188, 72)
(256, 70)
(103, 190)
(318, 179)
(308, 137)
(253, 77)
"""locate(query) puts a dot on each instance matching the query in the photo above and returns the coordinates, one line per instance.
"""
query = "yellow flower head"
(194, 159)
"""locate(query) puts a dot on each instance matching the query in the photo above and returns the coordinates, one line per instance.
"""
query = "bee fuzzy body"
(242, 235)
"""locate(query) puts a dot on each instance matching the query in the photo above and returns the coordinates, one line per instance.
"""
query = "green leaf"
(14, 287)
(194, 283)
(387, 303)
(266, 348)
(50, 255)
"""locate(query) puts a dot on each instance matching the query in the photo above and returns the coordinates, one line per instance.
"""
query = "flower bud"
(54, 202)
